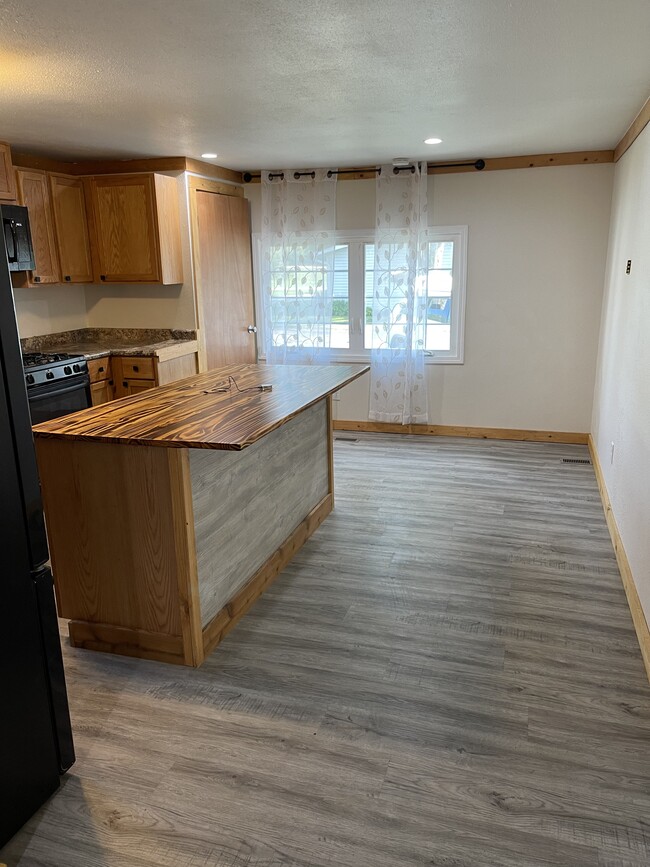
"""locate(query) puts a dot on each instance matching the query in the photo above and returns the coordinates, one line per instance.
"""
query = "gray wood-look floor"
(447, 674)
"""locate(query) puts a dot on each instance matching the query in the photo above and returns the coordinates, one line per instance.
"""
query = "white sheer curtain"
(297, 263)
(397, 386)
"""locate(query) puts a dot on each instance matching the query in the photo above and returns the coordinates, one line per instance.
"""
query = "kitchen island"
(170, 512)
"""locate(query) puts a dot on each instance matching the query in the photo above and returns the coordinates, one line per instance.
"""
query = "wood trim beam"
(528, 161)
(207, 185)
(330, 445)
(120, 167)
(209, 170)
(185, 542)
(627, 578)
(534, 161)
(32, 161)
(193, 187)
(486, 433)
(634, 131)
(233, 611)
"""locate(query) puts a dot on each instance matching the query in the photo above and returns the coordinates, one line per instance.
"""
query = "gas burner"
(36, 359)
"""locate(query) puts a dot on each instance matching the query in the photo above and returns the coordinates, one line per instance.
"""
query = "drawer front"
(99, 368)
(137, 368)
(128, 387)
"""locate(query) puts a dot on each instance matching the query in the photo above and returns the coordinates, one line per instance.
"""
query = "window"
(351, 331)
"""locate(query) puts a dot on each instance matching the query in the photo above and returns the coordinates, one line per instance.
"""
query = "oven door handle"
(49, 388)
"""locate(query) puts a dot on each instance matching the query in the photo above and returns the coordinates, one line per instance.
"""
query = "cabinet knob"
(102, 276)
(67, 278)
(37, 279)
(136, 368)
(125, 385)
(252, 329)
(100, 369)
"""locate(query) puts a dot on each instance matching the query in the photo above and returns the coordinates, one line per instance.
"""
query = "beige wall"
(47, 309)
(536, 259)
(622, 397)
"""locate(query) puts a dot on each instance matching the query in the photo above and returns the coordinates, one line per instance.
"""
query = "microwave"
(18, 238)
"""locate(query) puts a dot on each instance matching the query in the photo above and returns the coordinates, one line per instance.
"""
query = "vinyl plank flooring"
(446, 674)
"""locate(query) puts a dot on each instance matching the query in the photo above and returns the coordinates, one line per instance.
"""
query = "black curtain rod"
(479, 165)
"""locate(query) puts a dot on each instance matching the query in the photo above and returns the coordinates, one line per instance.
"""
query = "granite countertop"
(100, 342)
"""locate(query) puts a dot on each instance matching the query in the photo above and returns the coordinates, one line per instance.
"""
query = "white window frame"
(355, 239)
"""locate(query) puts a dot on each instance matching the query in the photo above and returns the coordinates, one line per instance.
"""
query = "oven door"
(54, 399)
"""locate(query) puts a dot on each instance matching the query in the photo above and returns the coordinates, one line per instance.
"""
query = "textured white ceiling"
(320, 82)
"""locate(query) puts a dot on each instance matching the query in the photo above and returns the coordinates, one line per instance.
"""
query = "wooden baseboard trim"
(233, 611)
(638, 616)
(485, 433)
(127, 642)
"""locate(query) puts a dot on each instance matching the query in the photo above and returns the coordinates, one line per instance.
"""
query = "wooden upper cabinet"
(71, 228)
(137, 228)
(7, 177)
(34, 194)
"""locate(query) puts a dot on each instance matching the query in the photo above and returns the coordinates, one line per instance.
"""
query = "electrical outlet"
(628, 267)
(611, 454)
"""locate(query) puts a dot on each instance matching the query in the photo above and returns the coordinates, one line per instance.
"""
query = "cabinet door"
(34, 194)
(71, 227)
(127, 387)
(7, 177)
(225, 296)
(126, 228)
(100, 368)
(102, 391)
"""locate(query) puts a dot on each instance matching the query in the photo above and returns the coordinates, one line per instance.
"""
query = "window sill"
(365, 359)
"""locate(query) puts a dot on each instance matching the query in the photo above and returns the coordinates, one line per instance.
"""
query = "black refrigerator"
(35, 735)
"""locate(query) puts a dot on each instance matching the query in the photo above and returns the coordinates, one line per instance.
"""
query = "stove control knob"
(29, 378)
(67, 370)
(49, 374)
(76, 368)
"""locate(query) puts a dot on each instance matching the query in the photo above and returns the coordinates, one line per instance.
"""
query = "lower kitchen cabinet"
(127, 387)
(121, 376)
(133, 374)
(101, 380)
(102, 392)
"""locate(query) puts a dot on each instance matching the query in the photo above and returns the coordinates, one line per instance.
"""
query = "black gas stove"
(57, 384)
(41, 367)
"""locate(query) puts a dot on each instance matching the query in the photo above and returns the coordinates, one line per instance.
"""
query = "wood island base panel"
(158, 552)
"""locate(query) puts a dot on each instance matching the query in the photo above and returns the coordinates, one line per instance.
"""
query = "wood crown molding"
(495, 164)
(486, 433)
(119, 167)
(634, 131)
(638, 616)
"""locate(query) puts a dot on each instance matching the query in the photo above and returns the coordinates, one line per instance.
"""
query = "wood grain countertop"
(193, 413)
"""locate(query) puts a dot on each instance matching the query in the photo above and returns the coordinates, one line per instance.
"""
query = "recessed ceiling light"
(209, 156)
(433, 141)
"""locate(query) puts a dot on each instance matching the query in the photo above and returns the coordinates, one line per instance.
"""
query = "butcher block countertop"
(194, 413)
